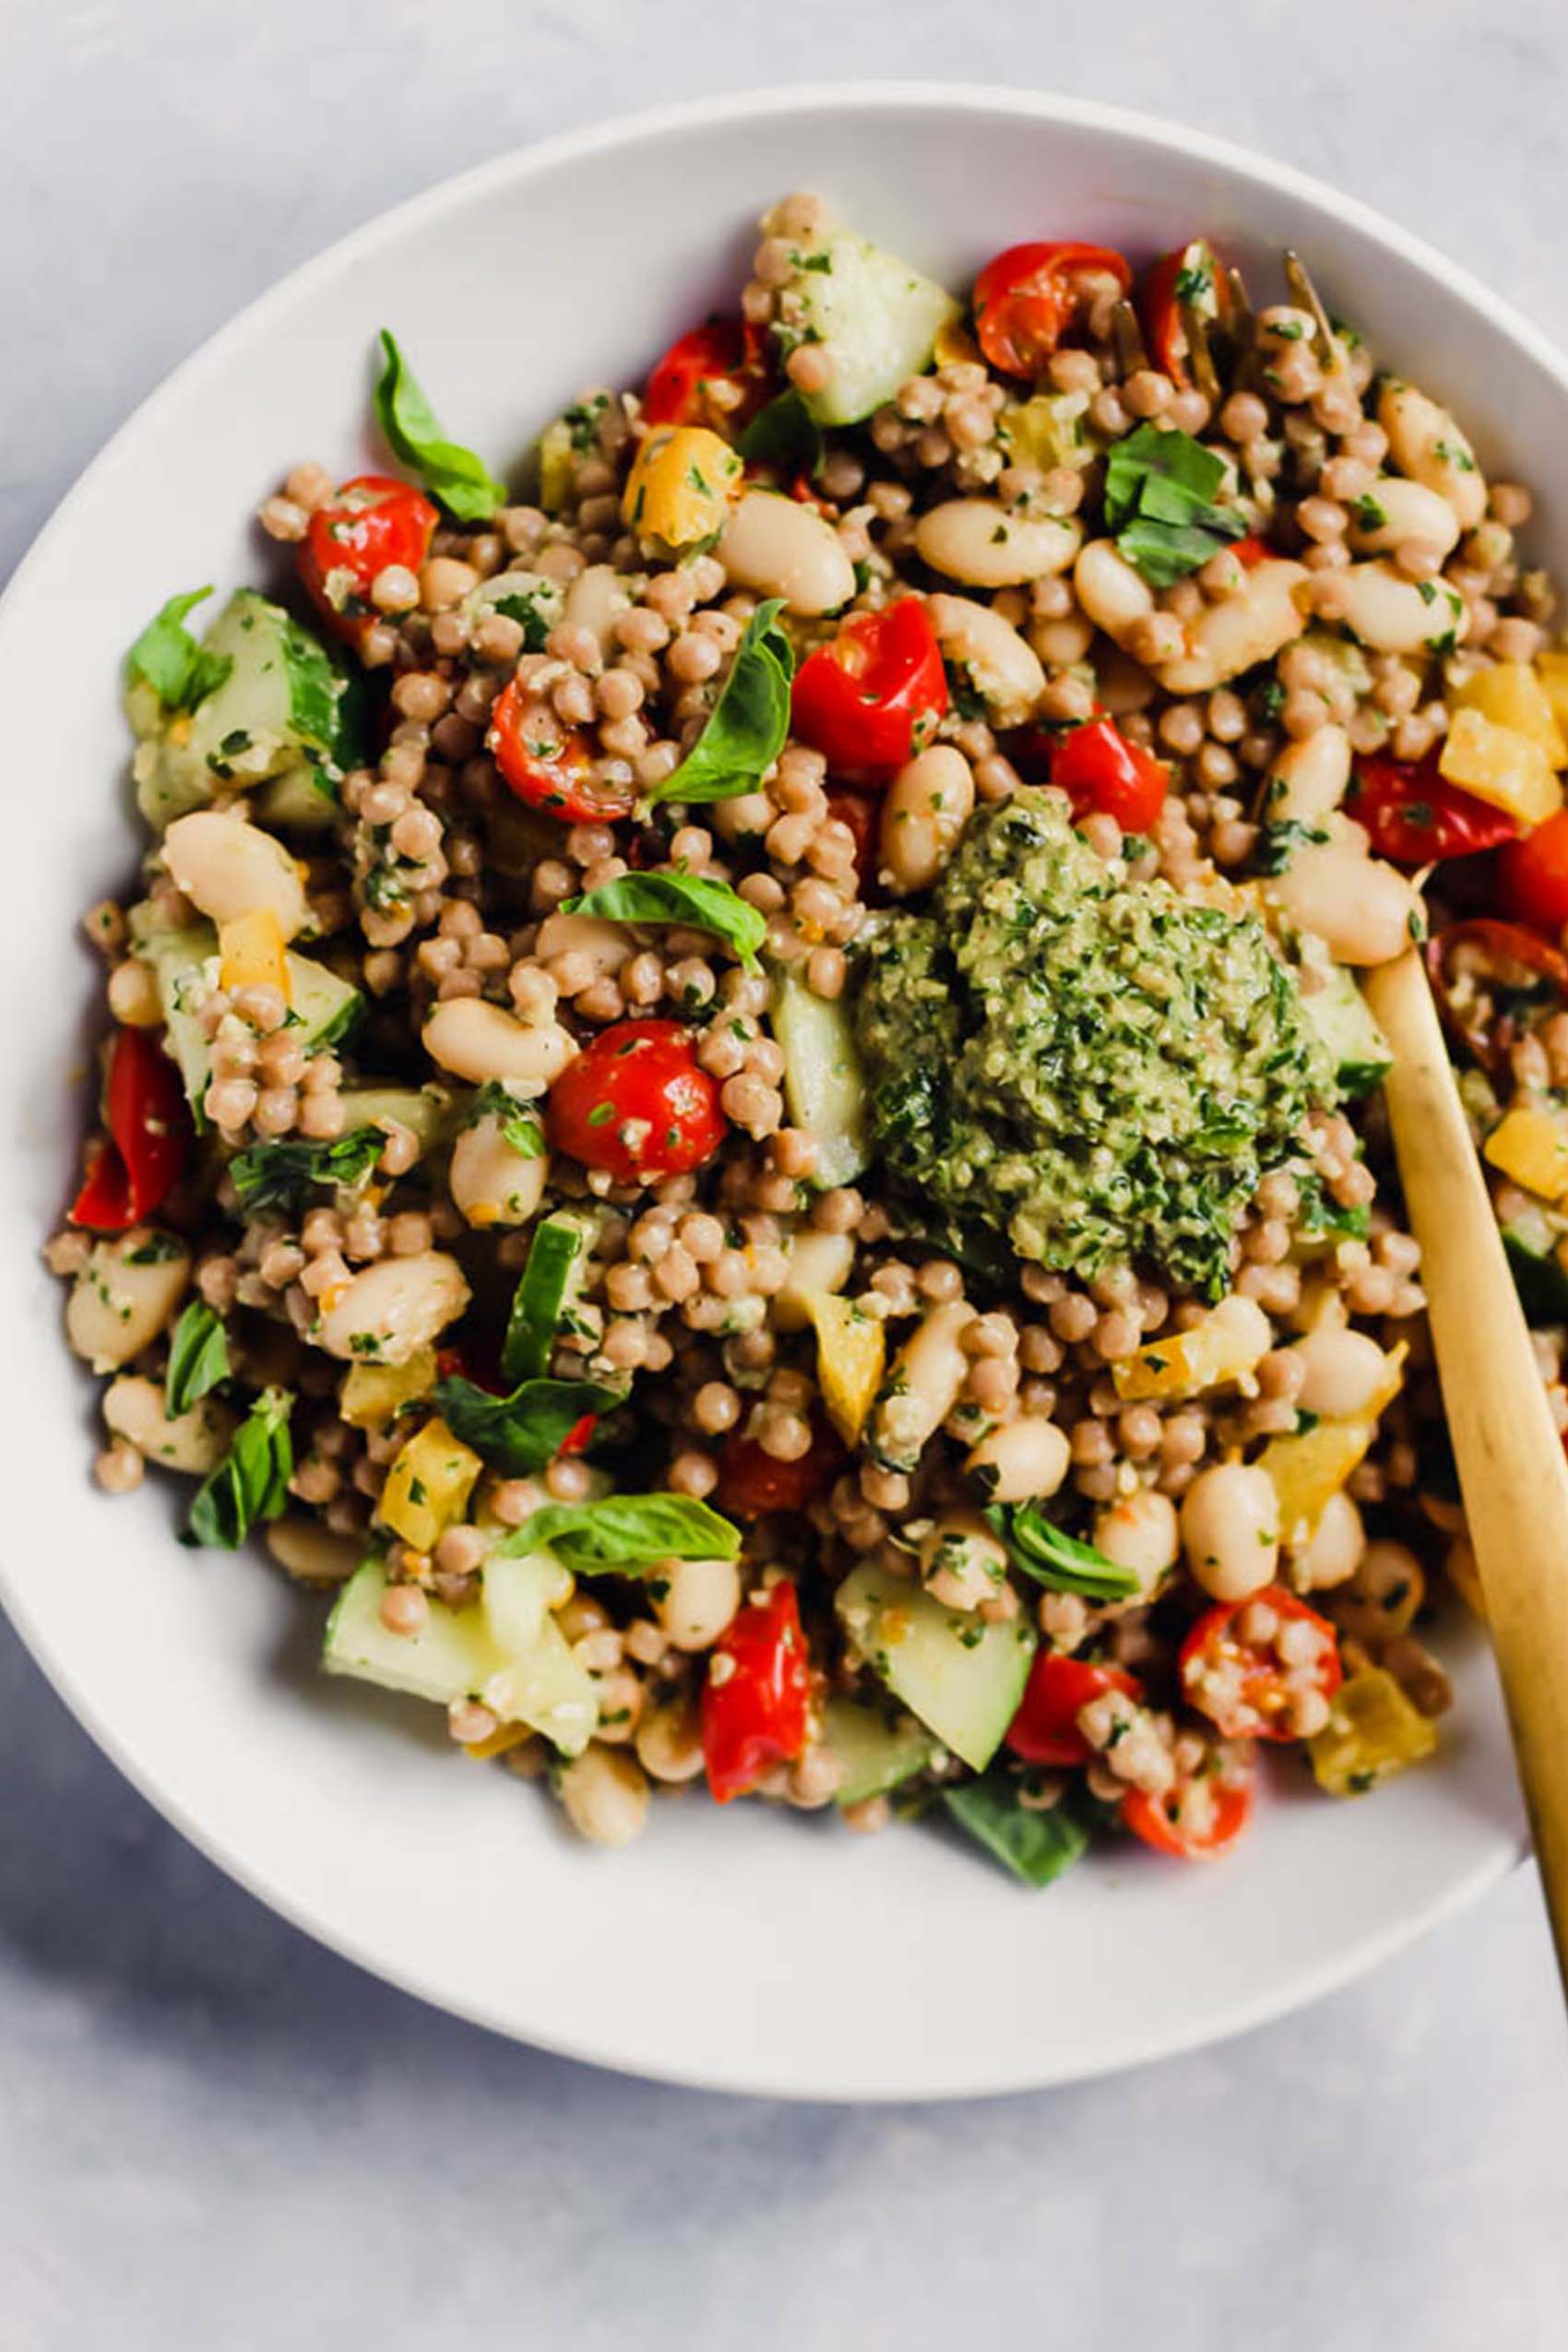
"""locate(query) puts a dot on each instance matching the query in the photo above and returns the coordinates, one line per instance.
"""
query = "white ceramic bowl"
(747, 1949)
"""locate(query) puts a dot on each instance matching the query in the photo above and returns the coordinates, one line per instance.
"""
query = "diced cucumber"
(281, 719)
(823, 1083)
(454, 1656)
(873, 1753)
(1531, 1245)
(542, 1685)
(962, 1677)
(551, 1279)
(426, 1111)
(1343, 1020)
(323, 1008)
(874, 319)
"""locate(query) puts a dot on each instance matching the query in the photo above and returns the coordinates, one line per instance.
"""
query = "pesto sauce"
(1100, 1069)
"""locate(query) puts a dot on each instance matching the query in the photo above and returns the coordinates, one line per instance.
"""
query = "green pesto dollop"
(1098, 1068)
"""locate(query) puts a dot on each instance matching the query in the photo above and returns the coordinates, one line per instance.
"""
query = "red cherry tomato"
(752, 1482)
(872, 695)
(858, 811)
(370, 522)
(638, 1104)
(1025, 297)
(149, 1135)
(1045, 1730)
(712, 354)
(1415, 816)
(754, 1700)
(549, 766)
(1470, 962)
(1532, 874)
(1190, 275)
(1251, 551)
(1196, 1821)
(1244, 1685)
(1101, 772)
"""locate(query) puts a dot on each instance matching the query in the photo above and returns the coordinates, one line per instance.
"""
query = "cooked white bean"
(1021, 1462)
(606, 945)
(1265, 616)
(927, 1377)
(667, 1740)
(923, 812)
(1425, 443)
(1115, 597)
(1231, 1530)
(1397, 513)
(1139, 1532)
(1363, 911)
(979, 542)
(1003, 669)
(1332, 1553)
(124, 1295)
(194, 1441)
(605, 1793)
(1344, 1371)
(818, 1262)
(395, 1306)
(595, 602)
(490, 1180)
(1393, 614)
(699, 1598)
(311, 1552)
(962, 1561)
(228, 867)
(477, 1040)
(1063, 642)
(781, 548)
(1308, 780)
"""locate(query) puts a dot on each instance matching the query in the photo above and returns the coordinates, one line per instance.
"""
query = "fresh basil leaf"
(1052, 1557)
(520, 1126)
(1160, 501)
(558, 1243)
(519, 1434)
(169, 659)
(784, 434)
(251, 1483)
(1171, 460)
(1164, 553)
(674, 897)
(198, 1358)
(451, 473)
(284, 1175)
(627, 1531)
(747, 726)
(1037, 1847)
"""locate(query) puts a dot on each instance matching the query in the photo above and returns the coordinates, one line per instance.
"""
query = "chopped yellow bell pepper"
(680, 487)
(505, 1735)
(1507, 770)
(851, 1354)
(556, 469)
(1532, 1148)
(1372, 1732)
(1511, 694)
(252, 953)
(1224, 1347)
(428, 1485)
(371, 1394)
(1312, 1464)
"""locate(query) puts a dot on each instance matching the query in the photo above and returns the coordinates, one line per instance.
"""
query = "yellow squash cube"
(1224, 1347)
(371, 1394)
(428, 1485)
(1507, 770)
(851, 1354)
(1532, 1149)
(252, 953)
(1511, 694)
(1310, 1467)
(1372, 1731)
(682, 485)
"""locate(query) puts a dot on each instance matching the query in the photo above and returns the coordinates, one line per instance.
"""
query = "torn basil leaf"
(198, 1358)
(627, 1532)
(694, 900)
(284, 1175)
(521, 1433)
(251, 1483)
(451, 474)
(167, 658)
(1035, 1846)
(747, 726)
(1057, 1559)
(785, 434)
(1160, 491)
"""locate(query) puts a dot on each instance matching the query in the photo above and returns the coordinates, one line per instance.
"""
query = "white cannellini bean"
(667, 1740)
(1309, 779)
(962, 1562)
(1361, 909)
(1231, 1530)
(1263, 616)
(1332, 1553)
(605, 1794)
(1114, 596)
(979, 542)
(478, 1040)
(817, 1262)
(1021, 1462)
(1004, 669)
(595, 602)
(395, 1306)
(1393, 614)
(927, 1377)
(312, 1552)
(1344, 1372)
(1410, 513)
(923, 812)
(229, 867)
(123, 1298)
(778, 546)
(194, 1441)
(1425, 443)
(699, 1599)
(606, 945)
(1139, 1532)
(490, 1180)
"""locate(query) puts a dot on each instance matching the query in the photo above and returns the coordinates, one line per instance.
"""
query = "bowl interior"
(743, 1949)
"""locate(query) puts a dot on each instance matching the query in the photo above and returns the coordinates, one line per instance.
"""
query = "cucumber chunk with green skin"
(454, 1656)
(323, 1009)
(543, 1684)
(873, 1753)
(962, 1677)
(1343, 1019)
(426, 1112)
(549, 1282)
(1529, 1244)
(823, 1083)
(874, 319)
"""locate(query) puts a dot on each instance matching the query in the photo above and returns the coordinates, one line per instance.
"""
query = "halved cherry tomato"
(1101, 772)
(872, 695)
(1192, 274)
(550, 767)
(1024, 299)
(1253, 1700)
(858, 811)
(638, 1104)
(1251, 551)
(752, 1482)
(1171, 1825)
(1532, 874)
(756, 1699)
(715, 353)
(1045, 1730)
(149, 1135)
(370, 523)
(1496, 956)
(1416, 818)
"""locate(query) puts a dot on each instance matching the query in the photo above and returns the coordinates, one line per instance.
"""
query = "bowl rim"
(536, 159)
